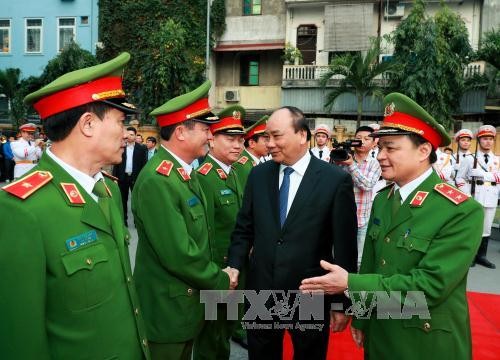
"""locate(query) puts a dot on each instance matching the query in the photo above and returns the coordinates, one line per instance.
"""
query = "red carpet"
(484, 312)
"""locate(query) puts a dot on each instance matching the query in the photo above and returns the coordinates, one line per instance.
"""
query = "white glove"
(477, 173)
(456, 167)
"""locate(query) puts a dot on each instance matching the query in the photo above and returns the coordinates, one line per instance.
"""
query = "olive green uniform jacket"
(427, 248)
(243, 167)
(57, 303)
(224, 195)
(173, 260)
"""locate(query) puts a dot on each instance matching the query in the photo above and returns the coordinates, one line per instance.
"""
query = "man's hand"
(334, 282)
(233, 277)
(338, 321)
(358, 336)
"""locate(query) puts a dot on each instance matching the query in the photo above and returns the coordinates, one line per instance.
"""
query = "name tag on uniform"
(193, 201)
(226, 192)
(81, 240)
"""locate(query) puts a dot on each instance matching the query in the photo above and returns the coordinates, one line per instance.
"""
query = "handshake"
(233, 277)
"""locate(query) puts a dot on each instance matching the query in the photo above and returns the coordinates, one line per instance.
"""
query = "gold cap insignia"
(389, 109)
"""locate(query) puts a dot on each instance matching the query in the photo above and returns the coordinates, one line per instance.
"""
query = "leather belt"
(26, 161)
(481, 182)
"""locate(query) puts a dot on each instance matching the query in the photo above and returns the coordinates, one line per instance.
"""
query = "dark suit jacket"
(321, 220)
(140, 158)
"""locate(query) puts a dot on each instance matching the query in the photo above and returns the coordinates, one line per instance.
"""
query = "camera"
(341, 151)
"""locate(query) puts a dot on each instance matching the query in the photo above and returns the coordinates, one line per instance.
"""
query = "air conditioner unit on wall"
(232, 95)
(394, 10)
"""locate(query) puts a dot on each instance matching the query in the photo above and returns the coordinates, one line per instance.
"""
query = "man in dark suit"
(312, 216)
(134, 158)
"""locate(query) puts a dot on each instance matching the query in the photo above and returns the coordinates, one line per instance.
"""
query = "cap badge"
(237, 114)
(389, 109)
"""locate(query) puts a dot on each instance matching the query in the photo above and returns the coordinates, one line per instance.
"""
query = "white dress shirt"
(87, 182)
(130, 158)
(299, 169)
(226, 168)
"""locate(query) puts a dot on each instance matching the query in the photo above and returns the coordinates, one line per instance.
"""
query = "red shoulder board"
(109, 176)
(165, 167)
(222, 174)
(184, 175)
(26, 186)
(419, 198)
(205, 169)
(452, 194)
(243, 160)
(73, 193)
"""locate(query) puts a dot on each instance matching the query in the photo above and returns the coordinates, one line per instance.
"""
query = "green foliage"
(490, 48)
(166, 40)
(9, 81)
(71, 58)
(218, 18)
(291, 54)
(358, 76)
(432, 53)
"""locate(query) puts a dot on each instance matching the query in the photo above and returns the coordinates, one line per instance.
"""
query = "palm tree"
(359, 72)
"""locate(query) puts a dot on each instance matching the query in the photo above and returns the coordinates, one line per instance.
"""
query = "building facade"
(32, 32)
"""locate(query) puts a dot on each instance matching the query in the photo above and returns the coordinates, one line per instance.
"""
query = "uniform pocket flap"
(226, 200)
(412, 242)
(436, 322)
(85, 258)
(175, 290)
(196, 212)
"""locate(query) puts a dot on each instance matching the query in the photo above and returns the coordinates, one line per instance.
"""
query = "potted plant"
(292, 55)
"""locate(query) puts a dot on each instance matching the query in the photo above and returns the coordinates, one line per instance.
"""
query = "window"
(249, 70)
(66, 32)
(4, 36)
(33, 36)
(84, 20)
(252, 7)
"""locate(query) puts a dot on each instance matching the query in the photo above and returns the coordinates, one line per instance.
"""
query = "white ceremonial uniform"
(26, 155)
(444, 166)
(324, 155)
(487, 185)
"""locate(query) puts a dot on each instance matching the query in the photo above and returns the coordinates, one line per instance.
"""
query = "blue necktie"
(285, 187)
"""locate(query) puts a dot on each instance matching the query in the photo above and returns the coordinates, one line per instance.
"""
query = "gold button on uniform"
(144, 342)
(136, 311)
(89, 261)
(129, 279)
(190, 291)
(382, 262)
(427, 326)
(387, 239)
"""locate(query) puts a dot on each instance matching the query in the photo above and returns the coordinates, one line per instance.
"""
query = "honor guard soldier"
(255, 150)
(422, 237)
(67, 287)
(322, 135)
(174, 260)
(463, 139)
(444, 166)
(481, 172)
(26, 153)
(224, 194)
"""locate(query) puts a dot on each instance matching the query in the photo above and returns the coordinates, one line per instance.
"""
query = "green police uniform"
(173, 261)
(246, 162)
(224, 195)
(67, 290)
(427, 246)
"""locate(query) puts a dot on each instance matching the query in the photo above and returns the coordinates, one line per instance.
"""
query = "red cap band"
(226, 123)
(99, 89)
(259, 129)
(485, 133)
(199, 107)
(407, 122)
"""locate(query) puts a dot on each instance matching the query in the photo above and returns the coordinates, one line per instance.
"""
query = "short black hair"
(364, 128)
(151, 138)
(254, 137)
(131, 128)
(167, 131)
(58, 126)
(299, 120)
(418, 140)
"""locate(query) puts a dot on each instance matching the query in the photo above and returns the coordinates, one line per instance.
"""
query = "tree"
(9, 84)
(490, 48)
(359, 72)
(432, 53)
